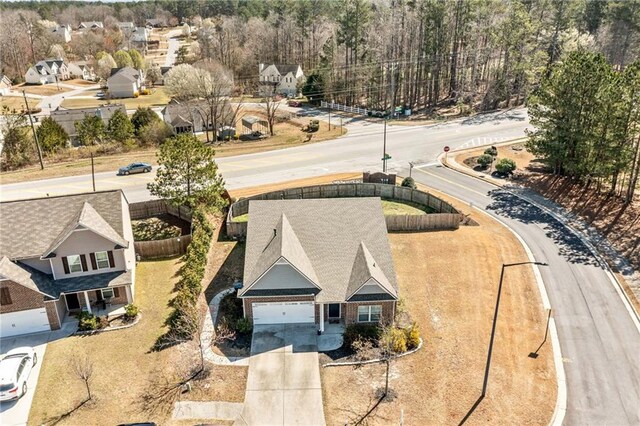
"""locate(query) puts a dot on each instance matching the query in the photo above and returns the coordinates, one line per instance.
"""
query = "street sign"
(386, 157)
(446, 149)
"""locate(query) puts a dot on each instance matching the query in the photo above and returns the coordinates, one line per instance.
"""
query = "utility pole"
(93, 174)
(33, 129)
(384, 148)
(329, 119)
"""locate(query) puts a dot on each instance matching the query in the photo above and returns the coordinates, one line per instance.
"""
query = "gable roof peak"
(364, 269)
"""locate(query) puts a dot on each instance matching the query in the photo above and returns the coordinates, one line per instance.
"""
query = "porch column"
(321, 305)
(86, 299)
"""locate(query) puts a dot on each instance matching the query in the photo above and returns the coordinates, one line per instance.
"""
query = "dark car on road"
(295, 104)
(134, 168)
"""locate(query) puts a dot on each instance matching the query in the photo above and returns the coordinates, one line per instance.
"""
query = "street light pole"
(495, 319)
(410, 168)
(33, 129)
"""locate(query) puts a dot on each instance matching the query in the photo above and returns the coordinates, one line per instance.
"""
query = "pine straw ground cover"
(448, 281)
(124, 365)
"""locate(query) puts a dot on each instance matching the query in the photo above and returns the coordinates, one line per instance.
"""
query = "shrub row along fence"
(167, 247)
(446, 216)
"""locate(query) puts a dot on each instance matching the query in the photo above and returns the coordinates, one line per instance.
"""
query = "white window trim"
(98, 261)
(113, 293)
(369, 313)
(71, 264)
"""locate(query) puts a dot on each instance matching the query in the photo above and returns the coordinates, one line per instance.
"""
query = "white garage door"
(283, 312)
(24, 322)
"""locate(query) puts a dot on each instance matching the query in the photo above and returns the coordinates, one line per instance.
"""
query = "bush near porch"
(124, 363)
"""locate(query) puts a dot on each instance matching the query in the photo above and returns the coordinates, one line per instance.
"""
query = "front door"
(334, 310)
(72, 301)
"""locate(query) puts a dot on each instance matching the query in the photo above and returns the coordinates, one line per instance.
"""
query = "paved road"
(360, 149)
(173, 44)
(599, 340)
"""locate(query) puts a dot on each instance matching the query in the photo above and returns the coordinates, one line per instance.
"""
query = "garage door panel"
(24, 322)
(283, 312)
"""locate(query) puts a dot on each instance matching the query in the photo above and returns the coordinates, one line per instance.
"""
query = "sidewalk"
(582, 229)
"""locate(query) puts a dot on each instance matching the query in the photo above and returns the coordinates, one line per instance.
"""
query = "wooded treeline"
(587, 123)
(479, 54)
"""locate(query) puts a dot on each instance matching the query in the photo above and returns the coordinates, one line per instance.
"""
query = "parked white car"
(15, 368)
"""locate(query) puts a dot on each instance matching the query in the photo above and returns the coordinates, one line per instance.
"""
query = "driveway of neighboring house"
(283, 385)
(13, 413)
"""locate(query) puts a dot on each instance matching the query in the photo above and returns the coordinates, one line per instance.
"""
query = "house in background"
(155, 23)
(90, 25)
(64, 254)
(188, 117)
(126, 82)
(5, 85)
(318, 261)
(82, 70)
(283, 78)
(62, 33)
(47, 71)
(68, 117)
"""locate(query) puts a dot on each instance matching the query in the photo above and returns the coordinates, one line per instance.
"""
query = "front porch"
(109, 301)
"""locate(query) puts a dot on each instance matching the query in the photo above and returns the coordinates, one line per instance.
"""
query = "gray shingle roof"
(29, 227)
(28, 277)
(284, 69)
(93, 282)
(330, 232)
(364, 268)
(128, 72)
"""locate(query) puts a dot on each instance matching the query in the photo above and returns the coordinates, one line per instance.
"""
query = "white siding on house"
(39, 264)
(85, 242)
(282, 276)
(129, 253)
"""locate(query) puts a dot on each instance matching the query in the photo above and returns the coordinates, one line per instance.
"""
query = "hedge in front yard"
(354, 332)
(183, 319)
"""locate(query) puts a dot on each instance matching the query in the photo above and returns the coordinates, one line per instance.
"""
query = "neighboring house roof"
(333, 242)
(30, 227)
(128, 73)
(5, 80)
(91, 24)
(286, 68)
(27, 277)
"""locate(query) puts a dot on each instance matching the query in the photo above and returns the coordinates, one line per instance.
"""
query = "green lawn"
(157, 98)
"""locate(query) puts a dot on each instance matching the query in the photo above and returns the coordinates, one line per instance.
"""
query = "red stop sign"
(446, 149)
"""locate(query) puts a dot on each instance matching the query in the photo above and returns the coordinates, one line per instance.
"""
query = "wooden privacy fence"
(446, 216)
(167, 247)
(162, 248)
(152, 208)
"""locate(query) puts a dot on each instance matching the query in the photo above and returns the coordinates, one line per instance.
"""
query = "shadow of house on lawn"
(569, 245)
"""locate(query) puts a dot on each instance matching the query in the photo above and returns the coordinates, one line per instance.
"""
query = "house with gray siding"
(318, 261)
(60, 255)
(68, 117)
(126, 82)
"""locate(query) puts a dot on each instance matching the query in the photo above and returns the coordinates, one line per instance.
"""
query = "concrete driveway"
(283, 385)
(14, 413)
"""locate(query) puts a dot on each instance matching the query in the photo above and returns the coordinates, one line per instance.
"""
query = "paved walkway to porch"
(283, 385)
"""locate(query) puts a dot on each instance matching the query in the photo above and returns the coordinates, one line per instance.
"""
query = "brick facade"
(52, 314)
(350, 314)
(248, 308)
(22, 298)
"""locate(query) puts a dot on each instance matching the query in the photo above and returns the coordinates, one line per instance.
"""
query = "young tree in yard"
(142, 117)
(136, 59)
(123, 59)
(181, 55)
(188, 174)
(119, 128)
(105, 64)
(83, 368)
(154, 74)
(270, 106)
(51, 135)
(17, 149)
(90, 130)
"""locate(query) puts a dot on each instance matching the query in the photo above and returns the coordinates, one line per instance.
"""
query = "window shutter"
(94, 264)
(116, 292)
(5, 296)
(65, 265)
(112, 263)
(83, 261)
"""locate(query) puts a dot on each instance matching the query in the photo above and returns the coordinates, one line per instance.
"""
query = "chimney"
(260, 67)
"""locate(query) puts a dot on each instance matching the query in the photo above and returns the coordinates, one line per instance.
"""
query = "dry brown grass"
(44, 89)
(124, 364)
(516, 152)
(448, 281)
(16, 103)
(80, 82)
(158, 97)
